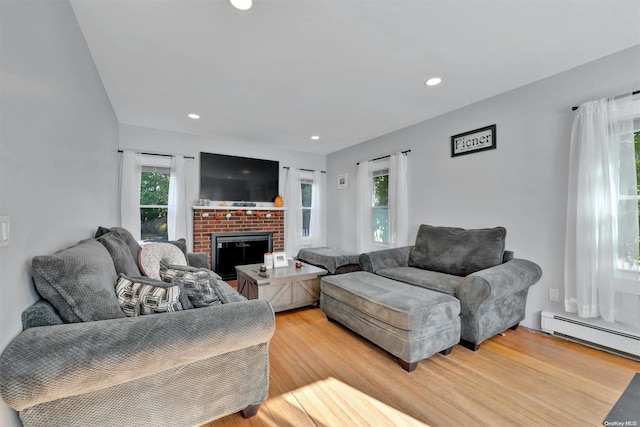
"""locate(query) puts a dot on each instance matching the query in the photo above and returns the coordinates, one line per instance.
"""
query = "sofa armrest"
(52, 362)
(198, 259)
(485, 286)
(386, 258)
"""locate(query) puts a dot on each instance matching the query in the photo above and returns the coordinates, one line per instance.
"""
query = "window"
(306, 188)
(382, 203)
(629, 210)
(628, 258)
(154, 200)
(304, 223)
(380, 206)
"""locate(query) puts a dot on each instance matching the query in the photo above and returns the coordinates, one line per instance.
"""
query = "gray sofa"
(80, 361)
(471, 265)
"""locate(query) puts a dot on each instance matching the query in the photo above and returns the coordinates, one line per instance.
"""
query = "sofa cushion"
(42, 313)
(198, 259)
(139, 296)
(457, 251)
(79, 282)
(182, 245)
(120, 253)
(200, 284)
(125, 235)
(436, 281)
(152, 253)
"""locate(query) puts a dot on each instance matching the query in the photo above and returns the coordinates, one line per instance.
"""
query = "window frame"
(306, 177)
(153, 162)
(628, 280)
(379, 168)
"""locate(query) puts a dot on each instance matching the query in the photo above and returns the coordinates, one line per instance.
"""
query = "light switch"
(4, 230)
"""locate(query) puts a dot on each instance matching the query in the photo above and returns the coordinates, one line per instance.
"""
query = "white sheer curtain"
(601, 254)
(398, 200)
(397, 204)
(130, 169)
(318, 210)
(293, 215)
(177, 206)
(364, 187)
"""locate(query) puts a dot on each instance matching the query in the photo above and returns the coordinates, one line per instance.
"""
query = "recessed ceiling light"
(433, 81)
(194, 116)
(241, 4)
(315, 137)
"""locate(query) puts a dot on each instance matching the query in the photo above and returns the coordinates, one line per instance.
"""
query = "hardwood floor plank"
(365, 410)
(322, 374)
(286, 410)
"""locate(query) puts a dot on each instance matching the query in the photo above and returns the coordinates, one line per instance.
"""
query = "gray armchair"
(492, 299)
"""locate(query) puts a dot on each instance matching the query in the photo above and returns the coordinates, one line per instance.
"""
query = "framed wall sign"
(473, 141)
(343, 181)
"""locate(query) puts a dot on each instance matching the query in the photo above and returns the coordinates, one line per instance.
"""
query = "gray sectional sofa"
(80, 361)
(471, 265)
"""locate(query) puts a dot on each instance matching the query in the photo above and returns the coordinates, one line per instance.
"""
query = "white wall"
(158, 141)
(58, 142)
(521, 185)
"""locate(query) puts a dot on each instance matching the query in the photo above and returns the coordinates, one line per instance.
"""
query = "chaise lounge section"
(409, 322)
(470, 265)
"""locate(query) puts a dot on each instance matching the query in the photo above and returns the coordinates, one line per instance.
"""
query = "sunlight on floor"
(331, 402)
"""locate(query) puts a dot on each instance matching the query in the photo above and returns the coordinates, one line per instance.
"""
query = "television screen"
(238, 179)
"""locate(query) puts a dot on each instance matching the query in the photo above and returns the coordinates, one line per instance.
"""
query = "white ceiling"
(347, 70)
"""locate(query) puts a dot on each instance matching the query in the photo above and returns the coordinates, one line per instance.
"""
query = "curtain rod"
(163, 155)
(306, 170)
(617, 96)
(384, 157)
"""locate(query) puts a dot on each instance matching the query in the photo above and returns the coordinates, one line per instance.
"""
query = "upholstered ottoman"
(410, 322)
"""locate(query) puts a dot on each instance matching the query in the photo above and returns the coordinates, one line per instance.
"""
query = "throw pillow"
(182, 245)
(151, 254)
(457, 251)
(78, 282)
(200, 284)
(119, 251)
(139, 296)
(125, 235)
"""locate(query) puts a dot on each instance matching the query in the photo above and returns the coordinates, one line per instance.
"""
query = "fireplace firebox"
(231, 249)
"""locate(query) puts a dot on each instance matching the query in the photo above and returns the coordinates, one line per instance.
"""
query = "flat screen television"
(238, 179)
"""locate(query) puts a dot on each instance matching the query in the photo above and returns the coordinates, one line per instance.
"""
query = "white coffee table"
(284, 287)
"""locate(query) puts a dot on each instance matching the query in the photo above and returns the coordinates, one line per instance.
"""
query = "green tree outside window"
(306, 187)
(380, 202)
(154, 200)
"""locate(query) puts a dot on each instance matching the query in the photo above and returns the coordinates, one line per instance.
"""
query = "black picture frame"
(474, 141)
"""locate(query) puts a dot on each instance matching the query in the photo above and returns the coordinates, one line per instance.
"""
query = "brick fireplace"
(210, 219)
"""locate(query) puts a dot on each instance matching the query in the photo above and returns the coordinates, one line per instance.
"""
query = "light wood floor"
(324, 375)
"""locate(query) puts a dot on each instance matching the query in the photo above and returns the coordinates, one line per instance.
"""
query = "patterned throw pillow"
(151, 254)
(139, 296)
(200, 284)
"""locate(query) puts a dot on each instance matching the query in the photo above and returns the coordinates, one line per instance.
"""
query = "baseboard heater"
(624, 344)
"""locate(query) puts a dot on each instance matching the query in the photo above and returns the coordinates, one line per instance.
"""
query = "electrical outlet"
(554, 295)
